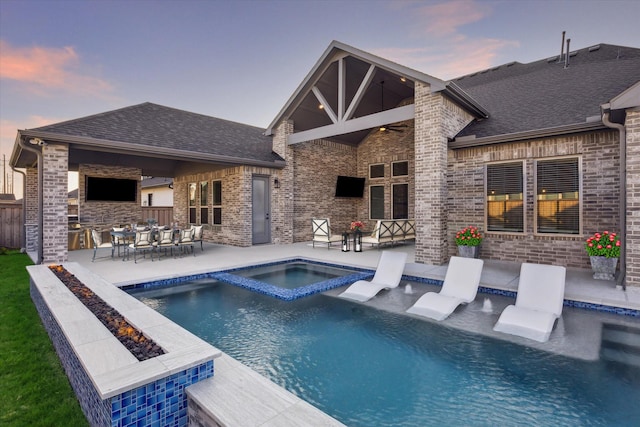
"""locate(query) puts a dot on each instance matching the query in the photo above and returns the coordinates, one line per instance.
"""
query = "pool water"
(292, 275)
(366, 367)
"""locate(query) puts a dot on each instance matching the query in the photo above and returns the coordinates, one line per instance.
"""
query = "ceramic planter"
(603, 268)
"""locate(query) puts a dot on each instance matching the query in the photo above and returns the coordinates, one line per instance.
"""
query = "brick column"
(430, 179)
(55, 164)
(632, 240)
(282, 206)
(31, 210)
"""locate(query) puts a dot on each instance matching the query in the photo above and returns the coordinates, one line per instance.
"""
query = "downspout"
(623, 195)
(24, 207)
(40, 198)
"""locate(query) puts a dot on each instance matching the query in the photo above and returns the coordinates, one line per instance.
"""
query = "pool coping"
(226, 276)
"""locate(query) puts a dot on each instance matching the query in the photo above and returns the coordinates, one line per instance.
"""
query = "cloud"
(42, 70)
(444, 50)
(443, 19)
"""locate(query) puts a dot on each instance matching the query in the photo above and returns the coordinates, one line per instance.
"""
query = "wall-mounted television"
(349, 186)
(110, 189)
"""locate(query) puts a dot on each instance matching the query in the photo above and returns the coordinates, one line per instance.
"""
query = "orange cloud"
(443, 19)
(44, 69)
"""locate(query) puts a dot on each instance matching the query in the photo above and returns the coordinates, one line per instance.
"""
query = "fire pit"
(133, 339)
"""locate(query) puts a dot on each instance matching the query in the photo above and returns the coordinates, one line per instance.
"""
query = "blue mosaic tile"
(160, 403)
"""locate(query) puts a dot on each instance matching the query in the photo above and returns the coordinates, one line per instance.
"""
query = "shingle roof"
(156, 181)
(155, 125)
(545, 94)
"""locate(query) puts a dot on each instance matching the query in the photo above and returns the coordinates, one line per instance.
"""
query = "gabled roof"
(545, 94)
(150, 128)
(357, 91)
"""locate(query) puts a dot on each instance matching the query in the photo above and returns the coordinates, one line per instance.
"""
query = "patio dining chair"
(197, 235)
(185, 241)
(165, 241)
(96, 237)
(143, 242)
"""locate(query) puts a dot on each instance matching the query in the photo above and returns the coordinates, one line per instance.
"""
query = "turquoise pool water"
(292, 275)
(370, 368)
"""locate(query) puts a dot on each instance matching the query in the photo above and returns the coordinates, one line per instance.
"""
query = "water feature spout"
(487, 307)
(408, 289)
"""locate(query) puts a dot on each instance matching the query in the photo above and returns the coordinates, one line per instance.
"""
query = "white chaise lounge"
(388, 275)
(460, 287)
(538, 303)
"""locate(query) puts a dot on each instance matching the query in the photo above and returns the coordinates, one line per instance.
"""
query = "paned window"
(204, 208)
(400, 201)
(505, 189)
(376, 201)
(558, 196)
(192, 203)
(376, 171)
(217, 202)
(400, 168)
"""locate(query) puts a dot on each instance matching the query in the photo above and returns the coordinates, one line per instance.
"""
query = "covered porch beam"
(361, 123)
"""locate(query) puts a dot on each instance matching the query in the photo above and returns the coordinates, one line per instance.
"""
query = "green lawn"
(34, 391)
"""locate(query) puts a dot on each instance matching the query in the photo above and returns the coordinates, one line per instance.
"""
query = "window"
(217, 202)
(505, 187)
(204, 209)
(400, 201)
(376, 171)
(192, 202)
(376, 201)
(558, 196)
(400, 168)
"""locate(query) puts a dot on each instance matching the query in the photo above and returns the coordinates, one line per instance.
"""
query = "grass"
(34, 390)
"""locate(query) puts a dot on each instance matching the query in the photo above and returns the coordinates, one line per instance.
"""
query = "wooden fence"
(163, 215)
(11, 230)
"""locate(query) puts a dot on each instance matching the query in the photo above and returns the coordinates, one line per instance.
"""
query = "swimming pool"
(371, 368)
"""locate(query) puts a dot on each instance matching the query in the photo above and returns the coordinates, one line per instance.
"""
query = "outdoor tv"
(110, 189)
(349, 186)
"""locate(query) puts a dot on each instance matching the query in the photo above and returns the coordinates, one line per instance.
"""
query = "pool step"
(620, 344)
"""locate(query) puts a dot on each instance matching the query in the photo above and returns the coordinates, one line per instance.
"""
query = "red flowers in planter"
(603, 244)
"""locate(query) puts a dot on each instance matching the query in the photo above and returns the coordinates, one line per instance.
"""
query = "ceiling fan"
(388, 127)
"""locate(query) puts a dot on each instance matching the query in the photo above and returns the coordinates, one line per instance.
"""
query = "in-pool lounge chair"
(538, 303)
(388, 275)
(460, 287)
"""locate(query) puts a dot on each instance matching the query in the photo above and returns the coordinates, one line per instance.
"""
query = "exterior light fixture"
(320, 106)
(383, 128)
(276, 183)
(37, 141)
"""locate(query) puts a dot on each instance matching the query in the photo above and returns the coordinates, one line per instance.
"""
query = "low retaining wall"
(113, 387)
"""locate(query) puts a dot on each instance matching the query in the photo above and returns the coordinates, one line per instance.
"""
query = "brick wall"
(430, 183)
(600, 170)
(104, 215)
(283, 216)
(632, 240)
(386, 148)
(31, 210)
(236, 227)
(317, 165)
(55, 164)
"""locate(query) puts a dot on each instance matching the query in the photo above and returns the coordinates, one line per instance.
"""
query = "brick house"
(537, 155)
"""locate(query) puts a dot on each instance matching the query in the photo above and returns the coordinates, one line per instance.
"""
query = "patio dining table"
(124, 237)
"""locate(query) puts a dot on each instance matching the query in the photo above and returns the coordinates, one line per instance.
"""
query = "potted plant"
(603, 250)
(468, 240)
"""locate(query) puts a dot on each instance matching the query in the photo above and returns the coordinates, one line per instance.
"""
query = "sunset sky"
(241, 60)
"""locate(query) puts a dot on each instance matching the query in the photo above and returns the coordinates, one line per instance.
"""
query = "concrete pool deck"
(578, 334)
(501, 275)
